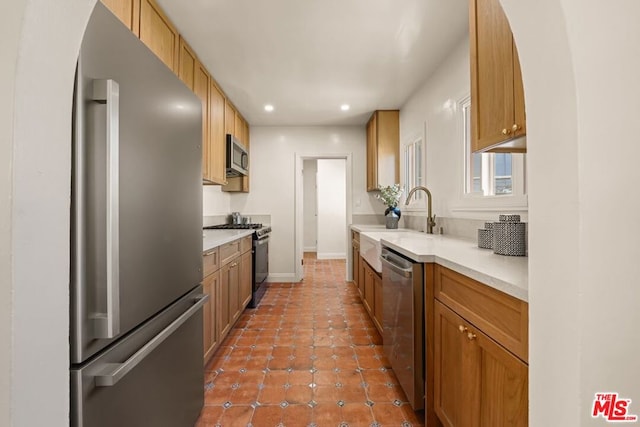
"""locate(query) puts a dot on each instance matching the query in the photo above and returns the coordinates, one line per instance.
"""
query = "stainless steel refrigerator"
(136, 303)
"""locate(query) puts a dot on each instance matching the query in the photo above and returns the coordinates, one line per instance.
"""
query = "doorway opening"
(322, 212)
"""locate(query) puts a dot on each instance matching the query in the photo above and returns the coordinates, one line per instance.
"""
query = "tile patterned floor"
(307, 356)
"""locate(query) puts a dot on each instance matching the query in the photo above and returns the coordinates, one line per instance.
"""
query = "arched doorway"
(555, 39)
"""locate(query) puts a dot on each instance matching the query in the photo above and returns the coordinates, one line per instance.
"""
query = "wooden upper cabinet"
(383, 145)
(238, 128)
(201, 89)
(497, 95)
(187, 63)
(159, 34)
(229, 118)
(128, 11)
(217, 136)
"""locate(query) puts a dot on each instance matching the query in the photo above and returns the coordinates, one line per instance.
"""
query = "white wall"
(432, 106)
(273, 152)
(332, 211)
(215, 201)
(310, 205)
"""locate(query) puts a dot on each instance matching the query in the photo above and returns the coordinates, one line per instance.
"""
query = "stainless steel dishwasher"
(403, 322)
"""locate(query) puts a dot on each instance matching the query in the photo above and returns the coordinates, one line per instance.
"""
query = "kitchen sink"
(370, 246)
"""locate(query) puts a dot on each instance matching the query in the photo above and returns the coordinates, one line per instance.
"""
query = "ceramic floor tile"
(308, 354)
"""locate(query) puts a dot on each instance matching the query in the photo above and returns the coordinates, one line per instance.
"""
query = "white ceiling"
(308, 57)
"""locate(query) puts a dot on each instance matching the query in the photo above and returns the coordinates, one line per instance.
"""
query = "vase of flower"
(390, 196)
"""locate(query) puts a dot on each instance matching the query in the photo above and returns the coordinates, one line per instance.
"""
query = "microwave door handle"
(107, 325)
(244, 160)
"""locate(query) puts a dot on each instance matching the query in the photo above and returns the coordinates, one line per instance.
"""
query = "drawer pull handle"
(210, 253)
(462, 329)
(471, 336)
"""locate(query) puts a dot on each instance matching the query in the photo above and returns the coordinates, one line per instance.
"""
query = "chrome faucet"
(431, 219)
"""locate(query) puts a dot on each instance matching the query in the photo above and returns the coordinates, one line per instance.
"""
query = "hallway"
(307, 356)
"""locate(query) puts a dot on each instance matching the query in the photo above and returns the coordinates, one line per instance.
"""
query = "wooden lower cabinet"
(246, 284)
(355, 263)
(377, 301)
(477, 381)
(369, 289)
(361, 264)
(211, 326)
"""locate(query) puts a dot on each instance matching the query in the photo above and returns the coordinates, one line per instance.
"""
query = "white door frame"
(299, 199)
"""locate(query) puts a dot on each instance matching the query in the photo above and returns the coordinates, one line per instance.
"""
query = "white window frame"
(517, 201)
(418, 201)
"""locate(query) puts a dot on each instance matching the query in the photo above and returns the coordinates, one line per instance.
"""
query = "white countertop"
(214, 238)
(505, 273)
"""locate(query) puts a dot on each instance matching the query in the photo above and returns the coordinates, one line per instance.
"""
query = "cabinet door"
(211, 329)
(450, 380)
(238, 128)
(217, 134)
(369, 298)
(388, 147)
(245, 279)
(223, 306)
(234, 290)
(229, 118)
(501, 393)
(128, 11)
(362, 272)
(355, 267)
(187, 64)
(157, 32)
(201, 89)
(496, 81)
(372, 154)
(378, 302)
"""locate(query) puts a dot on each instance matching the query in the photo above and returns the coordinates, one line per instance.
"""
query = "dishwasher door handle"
(404, 272)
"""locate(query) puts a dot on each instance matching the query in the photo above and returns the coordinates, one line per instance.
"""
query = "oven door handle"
(262, 241)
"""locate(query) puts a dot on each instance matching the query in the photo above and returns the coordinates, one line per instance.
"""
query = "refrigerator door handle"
(107, 91)
(110, 373)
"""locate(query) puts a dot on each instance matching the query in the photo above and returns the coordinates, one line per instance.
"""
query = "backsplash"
(226, 219)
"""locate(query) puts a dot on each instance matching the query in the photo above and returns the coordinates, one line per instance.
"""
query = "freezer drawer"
(166, 387)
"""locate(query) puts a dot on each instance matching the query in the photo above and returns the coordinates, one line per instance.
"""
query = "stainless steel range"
(260, 258)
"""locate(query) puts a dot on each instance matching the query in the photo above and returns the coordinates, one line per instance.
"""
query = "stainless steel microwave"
(237, 157)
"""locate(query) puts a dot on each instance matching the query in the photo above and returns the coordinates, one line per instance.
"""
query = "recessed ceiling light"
(345, 107)
(268, 107)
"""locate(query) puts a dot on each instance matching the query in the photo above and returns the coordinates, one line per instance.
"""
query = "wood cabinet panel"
(378, 301)
(245, 280)
(210, 261)
(502, 316)
(128, 11)
(201, 89)
(159, 34)
(225, 310)
(383, 145)
(497, 96)
(187, 65)
(369, 289)
(361, 275)
(218, 140)
(355, 262)
(449, 379)
(211, 329)
(229, 118)
(229, 251)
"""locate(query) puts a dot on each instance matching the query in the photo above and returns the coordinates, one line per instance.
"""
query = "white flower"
(390, 194)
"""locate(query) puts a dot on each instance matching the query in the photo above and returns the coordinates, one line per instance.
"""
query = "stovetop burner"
(233, 226)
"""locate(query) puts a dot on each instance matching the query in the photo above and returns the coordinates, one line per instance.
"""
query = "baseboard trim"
(331, 255)
(281, 278)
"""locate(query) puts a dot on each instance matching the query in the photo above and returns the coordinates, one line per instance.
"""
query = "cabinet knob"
(462, 329)
(471, 336)
(506, 131)
(515, 127)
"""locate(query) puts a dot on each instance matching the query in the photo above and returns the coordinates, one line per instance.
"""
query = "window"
(490, 174)
(413, 165)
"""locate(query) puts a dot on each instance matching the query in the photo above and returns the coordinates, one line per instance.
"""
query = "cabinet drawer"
(245, 244)
(502, 317)
(229, 251)
(210, 261)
